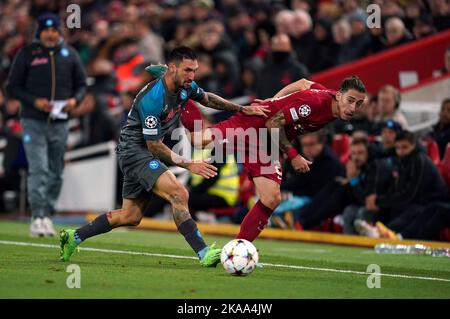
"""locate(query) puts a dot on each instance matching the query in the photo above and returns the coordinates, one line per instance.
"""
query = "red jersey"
(304, 111)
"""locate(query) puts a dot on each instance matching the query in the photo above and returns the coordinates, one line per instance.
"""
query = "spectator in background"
(441, 130)
(150, 43)
(416, 182)
(281, 68)
(342, 33)
(205, 76)
(413, 10)
(360, 40)
(423, 26)
(364, 176)
(45, 132)
(441, 14)
(364, 118)
(396, 33)
(386, 149)
(323, 46)
(389, 99)
(249, 77)
(325, 166)
(283, 21)
(313, 186)
(300, 32)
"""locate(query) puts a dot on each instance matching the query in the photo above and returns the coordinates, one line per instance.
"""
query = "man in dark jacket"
(48, 78)
(281, 68)
(416, 182)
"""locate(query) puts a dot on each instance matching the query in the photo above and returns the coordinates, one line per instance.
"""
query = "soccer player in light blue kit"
(142, 157)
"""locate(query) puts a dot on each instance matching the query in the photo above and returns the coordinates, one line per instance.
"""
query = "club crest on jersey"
(151, 121)
(183, 95)
(304, 110)
(153, 164)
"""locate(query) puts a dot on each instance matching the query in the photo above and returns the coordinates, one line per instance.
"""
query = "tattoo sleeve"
(277, 122)
(165, 154)
(216, 102)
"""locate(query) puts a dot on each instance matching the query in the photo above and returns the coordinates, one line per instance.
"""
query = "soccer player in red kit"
(299, 108)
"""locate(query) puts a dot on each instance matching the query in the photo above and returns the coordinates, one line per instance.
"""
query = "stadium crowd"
(362, 170)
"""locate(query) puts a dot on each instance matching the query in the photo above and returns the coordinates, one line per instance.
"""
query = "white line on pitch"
(126, 252)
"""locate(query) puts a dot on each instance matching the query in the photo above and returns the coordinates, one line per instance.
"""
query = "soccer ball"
(239, 257)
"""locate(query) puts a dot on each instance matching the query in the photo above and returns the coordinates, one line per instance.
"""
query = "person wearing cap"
(48, 78)
(389, 131)
(389, 99)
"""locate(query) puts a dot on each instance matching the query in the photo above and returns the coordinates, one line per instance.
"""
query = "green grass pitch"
(125, 264)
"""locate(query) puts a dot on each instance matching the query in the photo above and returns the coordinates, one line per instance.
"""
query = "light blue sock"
(202, 252)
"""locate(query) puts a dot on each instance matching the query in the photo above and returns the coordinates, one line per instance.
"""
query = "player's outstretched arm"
(164, 153)
(216, 102)
(299, 163)
(299, 85)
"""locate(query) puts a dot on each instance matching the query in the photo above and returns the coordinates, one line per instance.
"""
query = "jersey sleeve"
(196, 92)
(290, 114)
(190, 114)
(317, 86)
(149, 113)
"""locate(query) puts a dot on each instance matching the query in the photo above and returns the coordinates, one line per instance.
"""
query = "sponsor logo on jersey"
(39, 61)
(150, 131)
(151, 121)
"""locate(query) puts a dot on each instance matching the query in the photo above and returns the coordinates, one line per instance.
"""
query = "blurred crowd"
(245, 48)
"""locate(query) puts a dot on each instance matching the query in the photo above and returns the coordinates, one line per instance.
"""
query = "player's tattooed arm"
(216, 102)
(161, 150)
(299, 163)
(165, 154)
(277, 122)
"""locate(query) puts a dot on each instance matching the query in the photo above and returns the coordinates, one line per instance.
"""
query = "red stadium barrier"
(422, 56)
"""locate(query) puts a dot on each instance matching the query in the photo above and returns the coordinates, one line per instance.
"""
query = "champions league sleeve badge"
(151, 121)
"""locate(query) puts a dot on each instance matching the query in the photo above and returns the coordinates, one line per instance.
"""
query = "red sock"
(254, 222)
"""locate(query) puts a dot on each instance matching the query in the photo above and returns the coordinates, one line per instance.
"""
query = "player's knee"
(179, 195)
(271, 200)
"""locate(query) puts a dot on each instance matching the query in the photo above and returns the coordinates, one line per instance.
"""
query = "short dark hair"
(352, 82)
(321, 136)
(406, 136)
(361, 141)
(179, 53)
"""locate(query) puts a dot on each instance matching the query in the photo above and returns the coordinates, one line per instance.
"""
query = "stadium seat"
(433, 151)
(444, 235)
(341, 147)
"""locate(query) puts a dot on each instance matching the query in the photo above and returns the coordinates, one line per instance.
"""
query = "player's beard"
(180, 83)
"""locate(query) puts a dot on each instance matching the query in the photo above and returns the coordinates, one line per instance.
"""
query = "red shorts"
(249, 154)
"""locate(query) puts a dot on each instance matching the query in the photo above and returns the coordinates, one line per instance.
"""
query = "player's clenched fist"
(203, 169)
